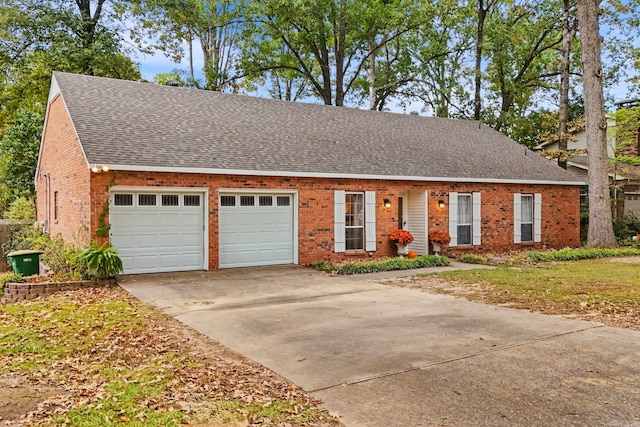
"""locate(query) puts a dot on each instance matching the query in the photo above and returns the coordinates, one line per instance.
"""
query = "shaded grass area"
(387, 264)
(606, 290)
(572, 254)
(566, 254)
(117, 362)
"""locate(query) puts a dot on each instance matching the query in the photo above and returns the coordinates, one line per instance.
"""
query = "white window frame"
(368, 222)
(537, 217)
(476, 224)
(361, 219)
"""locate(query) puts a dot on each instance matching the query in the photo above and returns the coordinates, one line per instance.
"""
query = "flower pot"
(402, 249)
(436, 247)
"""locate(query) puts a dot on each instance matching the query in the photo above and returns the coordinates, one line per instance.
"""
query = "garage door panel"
(170, 241)
(147, 219)
(255, 235)
(158, 238)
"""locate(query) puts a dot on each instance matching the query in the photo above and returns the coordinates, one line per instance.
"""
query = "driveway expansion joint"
(453, 359)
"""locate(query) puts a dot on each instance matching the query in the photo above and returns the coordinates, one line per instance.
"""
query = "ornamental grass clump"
(401, 237)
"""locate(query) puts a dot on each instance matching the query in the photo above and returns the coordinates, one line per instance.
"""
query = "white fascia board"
(293, 174)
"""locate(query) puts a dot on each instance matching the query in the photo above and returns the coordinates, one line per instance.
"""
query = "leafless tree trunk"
(600, 222)
(482, 15)
(568, 33)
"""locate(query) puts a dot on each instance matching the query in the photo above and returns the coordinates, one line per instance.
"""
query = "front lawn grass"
(601, 280)
(118, 362)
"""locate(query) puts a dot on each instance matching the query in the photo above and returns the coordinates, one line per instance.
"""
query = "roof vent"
(414, 113)
(172, 83)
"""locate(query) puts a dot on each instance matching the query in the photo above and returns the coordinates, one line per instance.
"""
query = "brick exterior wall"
(63, 169)
(560, 209)
(82, 197)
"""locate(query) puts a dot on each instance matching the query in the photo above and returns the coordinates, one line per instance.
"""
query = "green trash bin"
(26, 263)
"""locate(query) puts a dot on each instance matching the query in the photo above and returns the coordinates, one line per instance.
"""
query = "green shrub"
(473, 259)
(388, 264)
(57, 254)
(9, 278)
(101, 261)
(25, 237)
(323, 266)
(625, 229)
(21, 209)
(570, 254)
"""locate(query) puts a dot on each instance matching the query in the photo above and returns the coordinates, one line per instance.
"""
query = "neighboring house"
(624, 177)
(184, 179)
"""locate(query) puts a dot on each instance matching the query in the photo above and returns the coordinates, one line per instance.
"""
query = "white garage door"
(159, 231)
(256, 229)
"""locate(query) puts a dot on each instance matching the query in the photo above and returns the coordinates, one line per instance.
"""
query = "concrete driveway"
(385, 356)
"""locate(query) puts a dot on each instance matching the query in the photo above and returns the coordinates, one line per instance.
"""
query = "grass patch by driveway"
(604, 290)
(103, 358)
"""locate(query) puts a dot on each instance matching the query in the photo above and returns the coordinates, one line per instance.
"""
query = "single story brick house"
(183, 179)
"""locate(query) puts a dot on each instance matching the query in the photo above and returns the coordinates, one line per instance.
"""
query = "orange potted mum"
(401, 238)
(437, 238)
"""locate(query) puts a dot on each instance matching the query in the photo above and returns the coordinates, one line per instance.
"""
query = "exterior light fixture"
(99, 168)
(441, 204)
(387, 203)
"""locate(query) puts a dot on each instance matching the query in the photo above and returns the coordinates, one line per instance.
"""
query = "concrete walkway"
(385, 356)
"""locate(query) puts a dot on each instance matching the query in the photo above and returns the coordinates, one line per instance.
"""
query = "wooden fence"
(5, 232)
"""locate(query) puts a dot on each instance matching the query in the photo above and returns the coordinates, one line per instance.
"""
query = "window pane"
(227, 200)
(526, 232)
(265, 200)
(526, 209)
(123, 199)
(247, 201)
(191, 200)
(146, 199)
(354, 239)
(465, 212)
(170, 200)
(464, 234)
(354, 209)
(284, 201)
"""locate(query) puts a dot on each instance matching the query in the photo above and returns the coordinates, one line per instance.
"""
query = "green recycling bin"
(26, 262)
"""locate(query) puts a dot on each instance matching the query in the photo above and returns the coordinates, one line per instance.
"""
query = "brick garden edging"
(16, 292)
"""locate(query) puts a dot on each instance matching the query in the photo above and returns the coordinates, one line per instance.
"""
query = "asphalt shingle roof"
(152, 126)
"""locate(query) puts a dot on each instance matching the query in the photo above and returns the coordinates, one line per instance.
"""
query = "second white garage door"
(256, 229)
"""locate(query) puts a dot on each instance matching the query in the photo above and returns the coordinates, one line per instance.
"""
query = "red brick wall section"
(63, 168)
(560, 211)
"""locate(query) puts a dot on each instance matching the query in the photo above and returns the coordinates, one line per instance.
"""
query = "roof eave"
(295, 174)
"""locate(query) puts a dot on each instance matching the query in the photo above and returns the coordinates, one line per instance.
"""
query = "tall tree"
(19, 152)
(214, 25)
(332, 41)
(600, 220)
(521, 59)
(569, 29)
(38, 36)
(484, 8)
